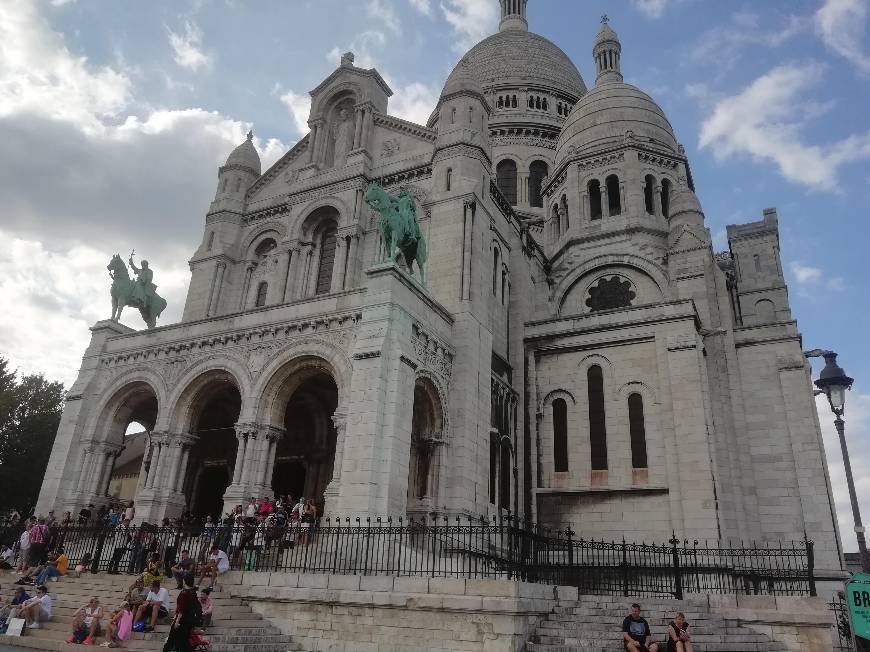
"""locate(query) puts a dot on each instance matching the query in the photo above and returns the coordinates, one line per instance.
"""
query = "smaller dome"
(245, 155)
(685, 201)
(460, 80)
(611, 114)
(606, 35)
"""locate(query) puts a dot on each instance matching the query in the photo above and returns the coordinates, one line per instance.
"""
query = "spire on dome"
(250, 134)
(606, 54)
(513, 15)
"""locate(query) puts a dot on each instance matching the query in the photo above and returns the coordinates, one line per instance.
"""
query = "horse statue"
(399, 228)
(139, 293)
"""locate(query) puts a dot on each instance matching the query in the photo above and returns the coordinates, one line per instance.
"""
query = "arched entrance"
(125, 422)
(427, 428)
(305, 454)
(214, 414)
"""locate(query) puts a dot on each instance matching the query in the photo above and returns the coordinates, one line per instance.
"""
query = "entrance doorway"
(210, 469)
(305, 454)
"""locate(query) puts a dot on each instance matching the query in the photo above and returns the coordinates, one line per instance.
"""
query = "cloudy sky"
(114, 117)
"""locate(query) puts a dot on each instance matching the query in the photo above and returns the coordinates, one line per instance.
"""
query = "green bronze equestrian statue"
(141, 293)
(399, 228)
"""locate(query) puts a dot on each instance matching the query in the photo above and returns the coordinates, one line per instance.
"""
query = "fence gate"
(841, 630)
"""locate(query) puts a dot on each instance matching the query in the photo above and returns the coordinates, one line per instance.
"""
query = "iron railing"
(457, 547)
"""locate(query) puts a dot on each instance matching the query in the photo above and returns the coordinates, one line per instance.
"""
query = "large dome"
(516, 56)
(605, 116)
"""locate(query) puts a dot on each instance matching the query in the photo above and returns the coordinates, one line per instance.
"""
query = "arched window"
(537, 102)
(504, 472)
(506, 179)
(453, 115)
(544, 104)
(471, 115)
(265, 247)
(210, 241)
(262, 288)
(327, 258)
(666, 198)
(537, 172)
(449, 181)
(495, 271)
(597, 427)
(500, 103)
(513, 101)
(756, 260)
(238, 183)
(594, 189)
(560, 435)
(503, 284)
(531, 102)
(224, 184)
(493, 469)
(648, 190)
(614, 201)
(637, 429)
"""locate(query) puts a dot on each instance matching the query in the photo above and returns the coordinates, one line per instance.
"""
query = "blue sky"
(114, 117)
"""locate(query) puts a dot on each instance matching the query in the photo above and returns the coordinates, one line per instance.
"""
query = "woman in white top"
(23, 551)
(86, 621)
(129, 513)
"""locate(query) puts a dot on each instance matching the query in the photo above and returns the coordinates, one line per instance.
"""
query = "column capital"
(316, 122)
(273, 433)
(159, 437)
(246, 430)
(351, 231)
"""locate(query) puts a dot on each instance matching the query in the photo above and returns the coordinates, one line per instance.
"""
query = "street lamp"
(834, 382)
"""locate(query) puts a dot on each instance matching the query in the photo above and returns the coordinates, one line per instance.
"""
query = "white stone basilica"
(579, 355)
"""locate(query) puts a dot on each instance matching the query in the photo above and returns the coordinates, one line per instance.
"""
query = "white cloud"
(187, 47)
(60, 3)
(841, 25)
(765, 121)
(384, 13)
(299, 105)
(423, 6)
(413, 102)
(805, 273)
(39, 75)
(651, 8)
(858, 439)
(471, 20)
(724, 43)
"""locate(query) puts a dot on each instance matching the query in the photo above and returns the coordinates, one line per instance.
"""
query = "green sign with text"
(858, 597)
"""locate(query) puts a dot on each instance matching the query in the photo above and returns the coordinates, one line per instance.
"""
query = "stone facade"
(579, 355)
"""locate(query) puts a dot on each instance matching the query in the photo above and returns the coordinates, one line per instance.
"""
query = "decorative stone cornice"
(265, 213)
(281, 164)
(404, 176)
(601, 161)
(658, 160)
(305, 196)
(404, 126)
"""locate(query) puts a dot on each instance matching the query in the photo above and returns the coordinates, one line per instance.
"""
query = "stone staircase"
(235, 626)
(593, 624)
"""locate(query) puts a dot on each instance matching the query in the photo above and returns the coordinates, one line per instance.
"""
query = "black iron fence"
(467, 548)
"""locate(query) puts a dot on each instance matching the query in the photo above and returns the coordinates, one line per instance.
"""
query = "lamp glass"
(837, 396)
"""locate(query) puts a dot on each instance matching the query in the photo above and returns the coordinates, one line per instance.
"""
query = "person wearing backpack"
(188, 614)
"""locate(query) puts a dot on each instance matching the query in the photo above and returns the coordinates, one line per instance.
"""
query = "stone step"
(227, 628)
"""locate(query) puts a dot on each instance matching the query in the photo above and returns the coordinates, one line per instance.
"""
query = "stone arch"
(652, 270)
(338, 93)
(275, 230)
(133, 397)
(182, 401)
(304, 223)
(553, 395)
(440, 392)
(603, 362)
(640, 387)
(271, 392)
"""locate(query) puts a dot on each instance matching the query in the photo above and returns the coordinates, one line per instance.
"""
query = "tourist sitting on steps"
(218, 563)
(34, 610)
(119, 627)
(138, 594)
(18, 598)
(678, 635)
(636, 635)
(156, 606)
(153, 571)
(86, 623)
(207, 605)
(181, 568)
(7, 558)
(57, 567)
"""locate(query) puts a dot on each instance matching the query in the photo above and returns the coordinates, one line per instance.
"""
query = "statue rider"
(143, 288)
(407, 207)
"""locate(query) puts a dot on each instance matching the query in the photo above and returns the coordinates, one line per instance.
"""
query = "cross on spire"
(605, 18)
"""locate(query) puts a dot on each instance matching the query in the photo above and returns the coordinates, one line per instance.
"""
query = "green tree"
(30, 411)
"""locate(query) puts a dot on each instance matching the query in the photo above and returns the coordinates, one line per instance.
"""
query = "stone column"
(605, 201)
(185, 456)
(155, 464)
(251, 453)
(217, 283)
(272, 437)
(469, 208)
(368, 124)
(357, 127)
(657, 201)
(352, 263)
(312, 140)
(333, 490)
(240, 456)
(249, 270)
(338, 264)
(86, 461)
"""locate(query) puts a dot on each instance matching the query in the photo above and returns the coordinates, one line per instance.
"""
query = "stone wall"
(351, 613)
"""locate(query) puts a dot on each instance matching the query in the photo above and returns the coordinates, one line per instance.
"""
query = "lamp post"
(834, 382)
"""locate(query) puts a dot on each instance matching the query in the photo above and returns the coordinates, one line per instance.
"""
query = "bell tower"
(513, 15)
